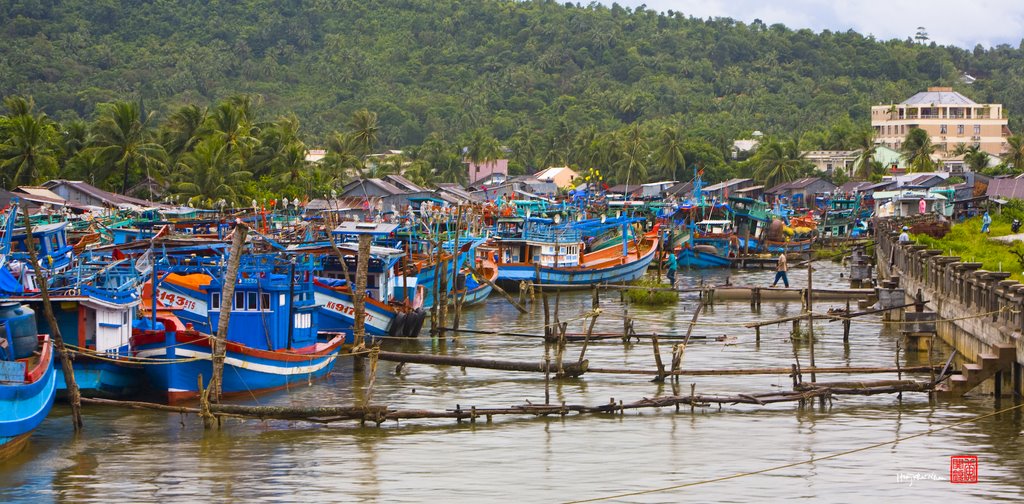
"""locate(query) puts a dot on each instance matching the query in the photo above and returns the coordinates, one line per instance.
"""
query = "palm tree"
(231, 122)
(364, 131)
(776, 162)
(917, 151)
(975, 158)
(524, 148)
(211, 172)
(183, 129)
(865, 162)
(27, 155)
(74, 137)
(481, 148)
(1015, 155)
(122, 137)
(669, 153)
(633, 164)
(341, 158)
(19, 105)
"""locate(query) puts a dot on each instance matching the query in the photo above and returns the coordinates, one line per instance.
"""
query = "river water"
(129, 455)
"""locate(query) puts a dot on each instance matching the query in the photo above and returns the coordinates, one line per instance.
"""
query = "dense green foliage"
(637, 93)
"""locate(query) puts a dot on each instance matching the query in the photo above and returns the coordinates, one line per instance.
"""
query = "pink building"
(486, 169)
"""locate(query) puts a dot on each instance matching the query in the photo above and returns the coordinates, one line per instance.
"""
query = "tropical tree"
(211, 173)
(364, 131)
(183, 129)
(778, 161)
(28, 154)
(124, 141)
(669, 154)
(1015, 156)
(917, 150)
(482, 147)
(975, 158)
(864, 164)
(632, 167)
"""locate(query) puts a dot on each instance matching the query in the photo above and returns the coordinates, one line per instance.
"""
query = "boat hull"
(337, 312)
(576, 277)
(246, 371)
(688, 258)
(103, 379)
(23, 406)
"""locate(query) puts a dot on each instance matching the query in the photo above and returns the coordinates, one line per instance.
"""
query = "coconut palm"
(364, 131)
(482, 147)
(123, 139)
(865, 162)
(183, 129)
(211, 173)
(917, 151)
(669, 153)
(28, 154)
(776, 162)
(1015, 155)
(341, 158)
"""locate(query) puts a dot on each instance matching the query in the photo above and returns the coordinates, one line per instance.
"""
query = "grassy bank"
(967, 241)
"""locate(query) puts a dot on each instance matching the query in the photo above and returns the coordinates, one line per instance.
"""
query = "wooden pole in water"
(213, 390)
(74, 396)
(501, 291)
(657, 360)
(359, 296)
(810, 314)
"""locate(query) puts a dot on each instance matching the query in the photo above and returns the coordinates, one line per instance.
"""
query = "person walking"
(673, 265)
(905, 235)
(780, 271)
(986, 222)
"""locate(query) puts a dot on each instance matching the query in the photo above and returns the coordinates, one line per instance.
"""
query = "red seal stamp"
(963, 469)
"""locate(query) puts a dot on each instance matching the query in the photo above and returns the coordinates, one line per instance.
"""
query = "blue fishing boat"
(273, 339)
(535, 250)
(27, 378)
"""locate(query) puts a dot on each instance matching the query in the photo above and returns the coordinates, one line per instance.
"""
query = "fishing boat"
(27, 379)
(709, 245)
(273, 339)
(534, 249)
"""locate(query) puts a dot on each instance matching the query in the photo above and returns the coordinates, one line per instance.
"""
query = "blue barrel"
(21, 323)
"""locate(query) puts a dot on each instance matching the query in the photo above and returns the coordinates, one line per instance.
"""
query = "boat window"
(252, 304)
(265, 301)
(215, 301)
(239, 300)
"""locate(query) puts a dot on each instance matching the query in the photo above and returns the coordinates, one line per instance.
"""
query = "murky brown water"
(127, 455)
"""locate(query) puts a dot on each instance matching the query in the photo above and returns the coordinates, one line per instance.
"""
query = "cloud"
(948, 22)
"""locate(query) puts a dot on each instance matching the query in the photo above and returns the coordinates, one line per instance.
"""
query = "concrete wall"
(959, 292)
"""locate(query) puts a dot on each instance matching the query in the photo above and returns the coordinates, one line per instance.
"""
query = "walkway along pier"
(979, 312)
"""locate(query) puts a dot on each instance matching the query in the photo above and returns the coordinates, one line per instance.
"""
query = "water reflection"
(144, 456)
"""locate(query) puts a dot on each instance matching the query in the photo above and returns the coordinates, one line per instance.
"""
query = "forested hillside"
(549, 80)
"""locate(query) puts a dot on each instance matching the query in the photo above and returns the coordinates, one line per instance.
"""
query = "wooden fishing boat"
(273, 337)
(27, 388)
(549, 255)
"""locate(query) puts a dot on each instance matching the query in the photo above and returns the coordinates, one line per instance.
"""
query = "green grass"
(967, 241)
(644, 297)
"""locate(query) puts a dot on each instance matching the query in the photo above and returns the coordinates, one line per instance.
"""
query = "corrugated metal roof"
(1006, 188)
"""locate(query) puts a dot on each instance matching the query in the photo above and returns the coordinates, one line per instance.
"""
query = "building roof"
(1006, 188)
(380, 184)
(548, 174)
(454, 190)
(624, 188)
(404, 183)
(854, 187)
(796, 184)
(680, 189)
(750, 189)
(107, 197)
(728, 183)
(938, 96)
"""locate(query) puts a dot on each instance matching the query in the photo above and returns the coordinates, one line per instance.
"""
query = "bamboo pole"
(501, 291)
(213, 390)
(759, 371)
(810, 312)
(571, 369)
(74, 395)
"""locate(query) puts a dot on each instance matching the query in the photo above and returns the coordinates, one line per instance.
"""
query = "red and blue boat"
(28, 382)
(273, 337)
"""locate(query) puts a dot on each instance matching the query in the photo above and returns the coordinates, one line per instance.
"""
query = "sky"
(962, 23)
